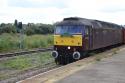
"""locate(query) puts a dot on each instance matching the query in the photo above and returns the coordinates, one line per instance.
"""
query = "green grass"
(24, 62)
(12, 67)
(10, 42)
(18, 63)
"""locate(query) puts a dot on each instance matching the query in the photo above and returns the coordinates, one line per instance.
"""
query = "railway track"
(59, 73)
(31, 72)
(25, 52)
(51, 65)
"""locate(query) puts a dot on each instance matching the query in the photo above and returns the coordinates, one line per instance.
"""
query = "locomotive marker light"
(54, 54)
(69, 47)
(76, 55)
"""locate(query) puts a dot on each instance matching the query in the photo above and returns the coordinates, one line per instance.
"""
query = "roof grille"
(71, 18)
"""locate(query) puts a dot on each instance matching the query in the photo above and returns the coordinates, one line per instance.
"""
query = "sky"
(51, 11)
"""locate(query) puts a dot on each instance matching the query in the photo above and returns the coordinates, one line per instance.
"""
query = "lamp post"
(20, 27)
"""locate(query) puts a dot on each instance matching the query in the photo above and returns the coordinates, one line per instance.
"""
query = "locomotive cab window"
(68, 29)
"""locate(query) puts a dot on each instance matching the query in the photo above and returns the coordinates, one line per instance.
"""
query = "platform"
(110, 70)
(88, 70)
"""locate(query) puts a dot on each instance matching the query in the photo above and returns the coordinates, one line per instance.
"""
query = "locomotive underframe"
(65, 55)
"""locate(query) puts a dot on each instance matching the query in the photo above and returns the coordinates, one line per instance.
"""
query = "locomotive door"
(88, 37)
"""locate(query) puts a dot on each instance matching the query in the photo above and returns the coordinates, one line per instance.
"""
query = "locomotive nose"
(76, 55)
(54, 54)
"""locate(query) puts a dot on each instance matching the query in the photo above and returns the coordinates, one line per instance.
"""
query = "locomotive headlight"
(69, 47)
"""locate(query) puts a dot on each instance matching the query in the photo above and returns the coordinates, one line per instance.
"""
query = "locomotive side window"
(87, 30)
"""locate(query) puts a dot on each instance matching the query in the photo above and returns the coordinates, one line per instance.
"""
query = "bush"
(28, 29)
(7, 29)
(41, 29)
(10, 42)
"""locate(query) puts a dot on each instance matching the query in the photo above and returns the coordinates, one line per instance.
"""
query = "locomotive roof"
(89, 22)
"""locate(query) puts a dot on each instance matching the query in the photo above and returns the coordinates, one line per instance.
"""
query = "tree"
(15, 23)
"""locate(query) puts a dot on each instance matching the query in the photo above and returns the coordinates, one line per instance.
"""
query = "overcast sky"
(50, 11)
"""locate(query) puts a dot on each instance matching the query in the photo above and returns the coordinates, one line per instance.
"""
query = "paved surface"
(109, 70)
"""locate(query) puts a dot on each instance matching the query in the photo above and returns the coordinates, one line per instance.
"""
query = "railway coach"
(74, 37)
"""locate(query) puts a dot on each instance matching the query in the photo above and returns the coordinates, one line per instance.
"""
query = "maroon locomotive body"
(104, 34)
(123, 35)
(74, 37)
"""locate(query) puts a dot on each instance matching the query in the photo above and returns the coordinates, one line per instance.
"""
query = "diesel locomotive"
(74, 37)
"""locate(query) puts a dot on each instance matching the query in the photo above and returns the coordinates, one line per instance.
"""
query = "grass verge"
(11, 67)
(11, 42)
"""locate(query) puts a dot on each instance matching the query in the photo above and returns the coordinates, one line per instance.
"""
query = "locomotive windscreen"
(68, 29)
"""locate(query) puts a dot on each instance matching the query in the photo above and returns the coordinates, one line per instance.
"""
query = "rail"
(25, 52)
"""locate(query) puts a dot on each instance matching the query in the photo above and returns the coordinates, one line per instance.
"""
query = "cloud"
(112, 6)
(36, 3)
(49, 11)
(3, 3)
(42, 15)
